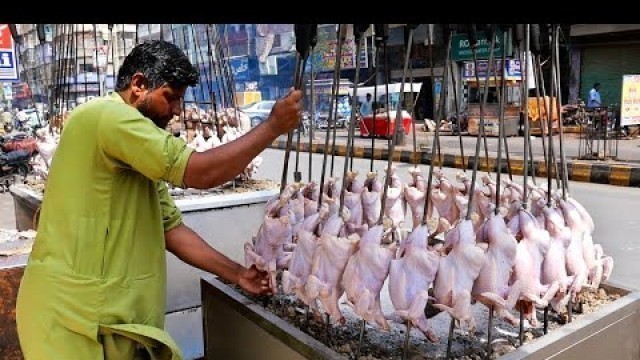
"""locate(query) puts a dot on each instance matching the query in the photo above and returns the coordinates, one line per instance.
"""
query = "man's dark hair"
(161, 62)
(596, 84)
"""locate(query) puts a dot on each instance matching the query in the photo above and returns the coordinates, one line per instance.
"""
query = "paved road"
(614, 209)
(628, 150)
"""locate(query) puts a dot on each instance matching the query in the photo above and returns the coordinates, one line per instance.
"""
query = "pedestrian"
(95, 283)
(594, 96)
(366, 108)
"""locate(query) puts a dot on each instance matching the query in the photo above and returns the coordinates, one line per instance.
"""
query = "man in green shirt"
(95, 283)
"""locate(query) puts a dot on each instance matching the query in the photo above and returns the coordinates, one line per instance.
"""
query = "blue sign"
(240, 67)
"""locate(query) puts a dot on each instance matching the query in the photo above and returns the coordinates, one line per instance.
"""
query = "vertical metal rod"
(335, 84)
(481, 133)
(335, 90)
(98, 46)
(398, 123)
(407, 337)
(490, 333)
(536, 73)
(414, 159)
(525, 105)
(450, 339)
(287, 151)
(351, 129)
(372, 131)
(545, 327)
(84, 59)
(501, 134)
(455, 100)
(361, 338)
(312, 113)
(521, 332)
(441, 105)
(563, 162)
(297, 175)
(113, 42)
(328, 326)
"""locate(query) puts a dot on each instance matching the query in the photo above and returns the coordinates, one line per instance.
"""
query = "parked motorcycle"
(15, 161)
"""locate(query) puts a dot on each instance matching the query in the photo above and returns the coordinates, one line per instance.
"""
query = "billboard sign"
(8, 58)
(630, 109)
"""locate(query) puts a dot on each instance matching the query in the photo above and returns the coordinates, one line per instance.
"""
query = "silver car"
(258, 111)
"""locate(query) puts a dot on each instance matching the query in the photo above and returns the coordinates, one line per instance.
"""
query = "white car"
(258, 111)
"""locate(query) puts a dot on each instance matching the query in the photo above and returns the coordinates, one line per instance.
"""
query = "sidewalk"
(624, 170)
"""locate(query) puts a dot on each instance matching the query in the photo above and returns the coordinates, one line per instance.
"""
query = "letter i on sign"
(5, 60)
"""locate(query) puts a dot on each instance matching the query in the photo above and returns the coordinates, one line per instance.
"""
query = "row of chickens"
(534, 256)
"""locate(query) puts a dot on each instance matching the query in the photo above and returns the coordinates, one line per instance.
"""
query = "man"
(594, 96)
(94, 286)
(366, 108)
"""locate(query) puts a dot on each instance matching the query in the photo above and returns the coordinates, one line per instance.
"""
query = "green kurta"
(94, 286)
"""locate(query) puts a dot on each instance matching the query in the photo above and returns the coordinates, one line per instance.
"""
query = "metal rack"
(599, 134)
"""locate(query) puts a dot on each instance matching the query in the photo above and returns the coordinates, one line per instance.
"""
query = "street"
(622, 150)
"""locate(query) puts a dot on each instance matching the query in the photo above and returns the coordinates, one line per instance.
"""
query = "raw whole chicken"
(554, 267)
(331, 188)
(267, 250)
(365, 274)
(353, 202)
(527, 270)
(415, 194)
(444, 198)
(457, 272)
(576, 264)
(328, 264)
(599, 266)
(410, 277)
(311, 195)
(371, 204)
(295, 277)
(492, 288)
(395, 207)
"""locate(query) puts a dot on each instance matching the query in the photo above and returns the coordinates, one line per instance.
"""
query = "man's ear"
(139, 85)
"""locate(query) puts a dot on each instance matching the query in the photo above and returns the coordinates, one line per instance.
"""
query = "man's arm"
(189, 247)
(215, 166)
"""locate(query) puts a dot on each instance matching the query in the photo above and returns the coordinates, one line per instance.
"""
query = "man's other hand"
(254, 281)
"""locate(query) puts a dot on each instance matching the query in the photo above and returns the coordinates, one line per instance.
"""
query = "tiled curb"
(585, 171)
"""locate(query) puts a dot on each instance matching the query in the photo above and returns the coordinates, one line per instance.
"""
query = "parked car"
(258, 111)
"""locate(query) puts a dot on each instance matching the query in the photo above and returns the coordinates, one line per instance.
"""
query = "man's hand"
(286, 112)
(254, 281)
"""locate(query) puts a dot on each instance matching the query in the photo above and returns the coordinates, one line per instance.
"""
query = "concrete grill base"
(236, 327)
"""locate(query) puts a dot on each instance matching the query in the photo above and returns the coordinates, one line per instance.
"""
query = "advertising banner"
(8, 56)
(630, 109)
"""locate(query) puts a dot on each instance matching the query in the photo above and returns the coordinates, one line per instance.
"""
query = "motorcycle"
(15, 164)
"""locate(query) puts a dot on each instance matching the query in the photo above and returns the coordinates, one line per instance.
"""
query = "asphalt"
(621, 167)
